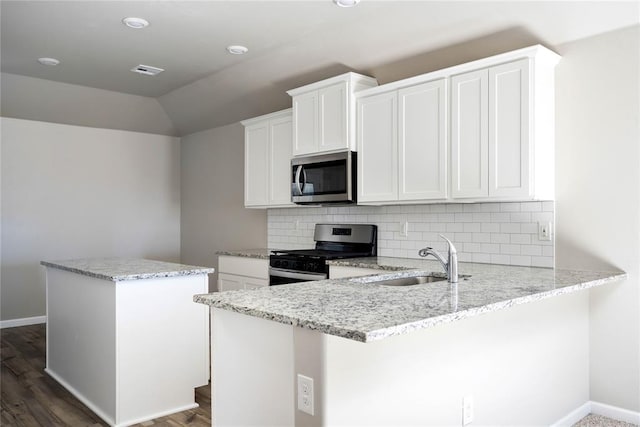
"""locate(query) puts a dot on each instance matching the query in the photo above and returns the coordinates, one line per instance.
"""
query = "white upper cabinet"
(402, 145)
(378, 148)
(469, 136)
(509, 130)
(256, 166)
(479, 131)
(422, 141)
(324, 114)
(493, 138)
(267, 160)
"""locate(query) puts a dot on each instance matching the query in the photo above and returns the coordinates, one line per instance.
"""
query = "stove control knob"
(298, 265)
(277, 263)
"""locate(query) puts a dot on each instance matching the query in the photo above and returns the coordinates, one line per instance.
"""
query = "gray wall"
(212, 191)
(78, 192)
(48, 101)
(598, 198)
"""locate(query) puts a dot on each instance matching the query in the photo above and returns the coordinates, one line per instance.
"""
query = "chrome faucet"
(450, 264)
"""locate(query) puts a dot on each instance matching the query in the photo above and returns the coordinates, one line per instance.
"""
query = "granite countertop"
(258, 253)
(361, 310)
(121, 269)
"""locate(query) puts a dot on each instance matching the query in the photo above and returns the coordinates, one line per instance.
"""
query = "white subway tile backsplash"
(490, 227)
(521, 239)
(510, 227)
(521, 217)
(472, 227)
(454, 227)
(482, 237)
(498, 233)
(500, 238)
(510, 207)
(500, 217)
(531, 207)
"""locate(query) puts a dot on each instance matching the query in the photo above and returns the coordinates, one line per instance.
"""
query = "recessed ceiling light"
(135, 23)
(48, 61)
(237, 50)
(346, 3)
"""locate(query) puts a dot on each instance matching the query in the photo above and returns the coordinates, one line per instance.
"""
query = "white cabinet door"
(509, 130)
(253, 283)
(423, 141)
(229, 282)
(377, 139)
(333, 117)
(256, 164)
(469, 136)
(305, 123)
(280, 161)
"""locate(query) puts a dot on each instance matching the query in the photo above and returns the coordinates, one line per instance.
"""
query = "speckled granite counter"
(258, 253)
(361, 310)
(121, 269)
(396, 264)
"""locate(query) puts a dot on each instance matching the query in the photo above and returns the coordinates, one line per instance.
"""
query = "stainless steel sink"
(410, 281)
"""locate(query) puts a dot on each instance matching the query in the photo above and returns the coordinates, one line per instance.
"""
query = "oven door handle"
(289, 274)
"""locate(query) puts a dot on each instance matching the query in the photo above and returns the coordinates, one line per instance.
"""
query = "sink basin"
(410, 281)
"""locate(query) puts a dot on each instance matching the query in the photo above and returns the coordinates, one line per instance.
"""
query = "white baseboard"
(616, 413)
(598, 408)
(574, 416)
(12, 323)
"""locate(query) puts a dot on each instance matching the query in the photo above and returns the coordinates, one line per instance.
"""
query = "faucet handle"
(452, 249)
(424, 252)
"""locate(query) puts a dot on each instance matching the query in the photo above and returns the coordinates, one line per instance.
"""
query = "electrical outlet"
(305, 394)
(467, 410)
(544, 231)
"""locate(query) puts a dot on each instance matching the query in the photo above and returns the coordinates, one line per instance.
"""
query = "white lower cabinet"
(242, 273)
(402, 144)
(267, 166)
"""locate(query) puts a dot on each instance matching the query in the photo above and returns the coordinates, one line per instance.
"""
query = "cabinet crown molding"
(350, 77)
(537, 52)
(275, 114)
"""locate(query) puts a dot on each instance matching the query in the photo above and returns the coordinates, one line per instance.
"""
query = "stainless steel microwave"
(324, 178)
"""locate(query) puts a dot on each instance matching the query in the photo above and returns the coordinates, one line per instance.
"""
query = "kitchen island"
(381, 355)
(124, 336)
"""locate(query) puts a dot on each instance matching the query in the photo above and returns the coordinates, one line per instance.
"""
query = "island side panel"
(81, 338)
(523, 365)
(162, 346)
(252, 371)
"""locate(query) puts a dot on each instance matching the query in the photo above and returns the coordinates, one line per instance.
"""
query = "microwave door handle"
(304, 179)
(298, 185)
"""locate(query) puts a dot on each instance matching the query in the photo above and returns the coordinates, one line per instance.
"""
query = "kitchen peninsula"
(124, 336)
(382, 355)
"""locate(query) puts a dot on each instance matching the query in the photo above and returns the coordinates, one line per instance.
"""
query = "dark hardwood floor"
(30, 397)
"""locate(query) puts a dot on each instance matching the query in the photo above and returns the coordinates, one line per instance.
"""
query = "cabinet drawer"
(250, 267)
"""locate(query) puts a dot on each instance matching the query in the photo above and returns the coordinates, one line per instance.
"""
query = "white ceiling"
(291, 43)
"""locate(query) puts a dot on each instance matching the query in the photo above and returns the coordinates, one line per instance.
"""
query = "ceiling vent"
(147, 70)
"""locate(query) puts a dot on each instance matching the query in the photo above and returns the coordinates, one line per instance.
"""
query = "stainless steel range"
(333, 241)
